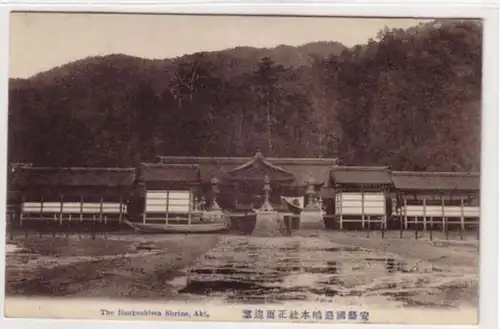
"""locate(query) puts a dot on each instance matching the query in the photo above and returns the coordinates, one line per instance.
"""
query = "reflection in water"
(260, 270)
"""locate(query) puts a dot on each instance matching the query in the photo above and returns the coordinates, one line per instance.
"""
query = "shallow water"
(275, 270)
(11, 248)
(324, 267)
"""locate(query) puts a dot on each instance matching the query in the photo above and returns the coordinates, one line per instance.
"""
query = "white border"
(487, 10)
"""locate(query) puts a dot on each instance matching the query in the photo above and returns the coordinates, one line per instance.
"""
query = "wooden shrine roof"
(301, 168)
(256, 169)
(436, 181)
(202, 169)
(83, 176)
(351, 175)
(188, 173)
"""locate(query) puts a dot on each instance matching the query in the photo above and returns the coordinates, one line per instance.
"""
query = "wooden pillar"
(21, 217)
(431, 230)
(363, 211)
(145, 210)
(405, 204)
(191, 203)
(101, 209)
(425, 214)
(81, 208)
(55, 219)
(341, 210)
(478, 222)
(462, 218)
(400, 216)
(11, 224)
(120, 217)
(432, 221)
(21, 212)
(41, 207)
(68, 223)
(443, 221)
(415, 222)
(62, 208)
(102, 216)
(166, 207)
(363, 223)
(94, 219)
(384, 217)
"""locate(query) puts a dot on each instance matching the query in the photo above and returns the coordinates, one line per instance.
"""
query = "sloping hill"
(410, 99)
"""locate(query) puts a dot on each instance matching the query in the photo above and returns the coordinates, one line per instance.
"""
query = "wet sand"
(319, 266)
(115, 266)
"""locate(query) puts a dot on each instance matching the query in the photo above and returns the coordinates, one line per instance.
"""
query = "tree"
(268, 91)
(410, 99)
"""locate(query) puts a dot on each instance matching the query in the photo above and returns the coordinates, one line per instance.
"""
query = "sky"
(41, 41)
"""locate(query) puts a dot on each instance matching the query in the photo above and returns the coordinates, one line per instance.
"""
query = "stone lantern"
(311, 216)
(215, 192)
(311, 193)
(266, 206)
(268, 222)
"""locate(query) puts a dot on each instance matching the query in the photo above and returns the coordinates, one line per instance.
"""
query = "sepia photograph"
(244, 168)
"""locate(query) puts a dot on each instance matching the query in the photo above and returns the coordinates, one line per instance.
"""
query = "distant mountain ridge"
(288, 56)
(380, 103)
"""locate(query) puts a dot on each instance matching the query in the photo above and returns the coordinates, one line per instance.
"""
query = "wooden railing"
(82, 211)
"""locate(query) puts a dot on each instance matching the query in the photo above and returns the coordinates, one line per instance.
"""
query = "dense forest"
(410, 99)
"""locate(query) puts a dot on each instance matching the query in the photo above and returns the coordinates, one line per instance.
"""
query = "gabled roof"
(304, 172)
(440, 181)
(83, 176)
(361, 175)
(159, 172)
(301, 168)
(256, 169)
(234, 161)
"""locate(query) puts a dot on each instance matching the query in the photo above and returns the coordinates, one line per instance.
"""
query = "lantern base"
(269, 224)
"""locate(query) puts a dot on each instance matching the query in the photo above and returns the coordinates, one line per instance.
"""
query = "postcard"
(270, 169)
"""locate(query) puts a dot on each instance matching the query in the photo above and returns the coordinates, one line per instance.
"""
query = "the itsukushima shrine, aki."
(303, 193)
